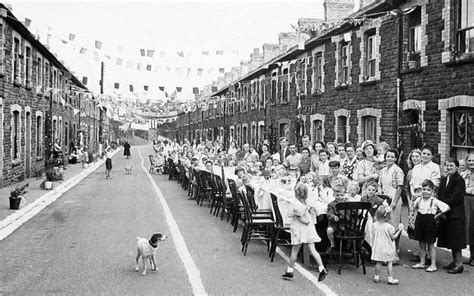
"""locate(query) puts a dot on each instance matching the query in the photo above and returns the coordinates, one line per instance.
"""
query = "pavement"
(36, 198)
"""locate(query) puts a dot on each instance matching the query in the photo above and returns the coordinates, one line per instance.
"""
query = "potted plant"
(52, 175)
(413, 59)
(16, 195)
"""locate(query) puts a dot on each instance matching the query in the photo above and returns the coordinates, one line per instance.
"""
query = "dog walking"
(108, 162)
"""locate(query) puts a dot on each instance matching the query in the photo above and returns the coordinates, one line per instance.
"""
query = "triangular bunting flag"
(84, 80)
(219, 52)
(142, 52)
(145, 87)
(196, 90)
(179, 88)
(161, 88)
(71, 37)
(129, 64)
(98, 44)
(221, 70)
(27, 22)
(76, 111)
(189, 70)
(116, 85)
(131, 87)
(148, 67)
(199, 72)
(83, 50)
(150, 53)
(180, 53)
(119, 61)
(205, 52)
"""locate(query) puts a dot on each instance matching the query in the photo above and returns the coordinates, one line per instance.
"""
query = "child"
(353, 191)
(383, 243)
(108, 162)
(429, 210)
(371, 196)
(335, 177)
(339, 196)
(303, 231)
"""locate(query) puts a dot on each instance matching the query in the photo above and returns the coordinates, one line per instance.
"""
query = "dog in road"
(128, 169)
(146, 248)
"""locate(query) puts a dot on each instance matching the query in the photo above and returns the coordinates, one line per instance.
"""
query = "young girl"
(353, 191)
(429, 210)
(108, 162)
(383, 243)
(303, 231)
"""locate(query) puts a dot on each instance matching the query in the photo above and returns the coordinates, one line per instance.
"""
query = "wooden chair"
(253, 205)
(204, 180)
(281, 235)
(350, 228)
(237, 210)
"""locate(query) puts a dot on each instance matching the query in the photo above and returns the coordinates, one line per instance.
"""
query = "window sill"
(342, 87)
(465, 58)
(16, 162)
(412, 70)
(370, 81)
(284, 103)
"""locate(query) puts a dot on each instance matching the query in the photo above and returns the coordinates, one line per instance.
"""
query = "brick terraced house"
(394, 71)
(39, 100)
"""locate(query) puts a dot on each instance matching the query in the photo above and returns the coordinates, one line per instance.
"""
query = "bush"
(18, 191)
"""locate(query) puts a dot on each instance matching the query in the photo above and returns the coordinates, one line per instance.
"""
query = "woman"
(451, 231)
(265, 154)
(126, 149)
(426, 170)
(108, 162)
(232, 149)
(304, 166)
(365, 170)
(469, 206)
(414, 158)
(332, 149)
(315, 155)
(391, 184)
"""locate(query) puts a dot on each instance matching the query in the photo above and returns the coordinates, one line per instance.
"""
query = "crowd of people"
(439, 206)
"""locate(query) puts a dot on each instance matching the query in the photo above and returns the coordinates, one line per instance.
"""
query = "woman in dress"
(332, 149)
(391, 184)
(126, 150)
(414, 158)
(452, 231)
(315, 155)
(469, 207)
(365, 170)
(265, 154)
(426, 169)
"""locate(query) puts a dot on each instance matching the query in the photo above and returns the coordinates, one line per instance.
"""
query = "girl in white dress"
(383, 243)
(303, 231)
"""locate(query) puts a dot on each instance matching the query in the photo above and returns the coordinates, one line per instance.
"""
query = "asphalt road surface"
(85, 243)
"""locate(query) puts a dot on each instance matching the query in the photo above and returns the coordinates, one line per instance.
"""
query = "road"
(85, 243)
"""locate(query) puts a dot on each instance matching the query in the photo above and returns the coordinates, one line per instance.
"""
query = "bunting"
(180, 53)
(150, 53)
(131, 87)
(71, 37)
(98, 44)
(116, 85)
(148, 67)
(142, 52)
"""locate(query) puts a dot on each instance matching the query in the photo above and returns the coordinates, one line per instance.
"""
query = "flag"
(221, 70)
(108, 57)
(196, 90)
(83, 50)
(119, 61)
(219, 52)
(71, 37)
(168, 68)
(299, 104)
(161, 88)
(98, 44)
(145, 87)
(150, 53)
(27, 22)
(84, 80)
(76, 111)
(179, 88)
(131, 87)
(214, 89)
(148, 67)
(180, 53)
(189, 70)
(205, 52)
(199, 73)
(63, 41)
(116, 85)
(142, 52)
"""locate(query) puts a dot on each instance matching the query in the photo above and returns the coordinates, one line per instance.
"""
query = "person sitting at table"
(267, 169)
(293, 160)
(240, 173)
(353, 191)
(335, 177)
(304, 166)
(339, 196)
(265, 154)
(73, 156)
(253, 153)
(159, 162)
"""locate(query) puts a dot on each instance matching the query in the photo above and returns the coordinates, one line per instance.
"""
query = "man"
(307, 143)
(293, 160)
(284, 151)
(349, 164)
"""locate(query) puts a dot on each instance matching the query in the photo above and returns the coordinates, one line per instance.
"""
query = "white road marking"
(193, 272)
(308, 275)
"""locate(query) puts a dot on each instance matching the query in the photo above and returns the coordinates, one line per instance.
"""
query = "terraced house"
(39, 100)
(394, 71)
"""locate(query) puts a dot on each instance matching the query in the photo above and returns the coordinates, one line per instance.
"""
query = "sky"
(178, 26)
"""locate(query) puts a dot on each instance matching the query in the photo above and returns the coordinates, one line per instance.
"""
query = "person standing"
(126, 149)
(108, 162)
(469, 207)
(452, 231)
(284, 150)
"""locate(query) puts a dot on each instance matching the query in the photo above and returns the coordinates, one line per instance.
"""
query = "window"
(465, 34)
(253, 136)
(261, 95)
(370, 54)
(261, 133)
(318, 61)
(244, 135)
(16, 60)
(284, 86)
(39, 75)
(317, 130)
(369, 128)
(28, 66)
(274, 88)
(463, 128)
(239, 136)
(16, 137)
(341, 129)
(39, 135)
(414, 30)
(284, 130)
(345, 60)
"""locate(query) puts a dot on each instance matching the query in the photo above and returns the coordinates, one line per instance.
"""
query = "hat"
(367, 143)
(194, 157)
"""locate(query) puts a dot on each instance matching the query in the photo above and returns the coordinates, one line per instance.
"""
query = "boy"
(339, 196)
(429, 211)
(335, 177)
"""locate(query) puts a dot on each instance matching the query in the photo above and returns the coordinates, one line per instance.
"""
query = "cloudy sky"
(188, 26)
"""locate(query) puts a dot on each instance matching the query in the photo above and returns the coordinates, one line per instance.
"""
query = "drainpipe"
(399, 76)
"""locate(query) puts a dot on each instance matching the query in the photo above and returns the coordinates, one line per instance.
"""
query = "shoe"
(376, 280)
(287, 275)
(393, 282)
(449, 266)
(419, 266)
(469, 261)
(431, 269)
(455, 270)
(322, 275)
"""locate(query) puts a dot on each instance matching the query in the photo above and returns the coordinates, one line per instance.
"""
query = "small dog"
(128, 169)
(147, 250)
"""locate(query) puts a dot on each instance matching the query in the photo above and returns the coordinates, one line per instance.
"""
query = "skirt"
(108, 164)
(425, 228)
(452, 234)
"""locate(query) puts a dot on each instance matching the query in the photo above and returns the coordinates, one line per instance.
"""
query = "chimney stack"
(335, 10)
(270, 51)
